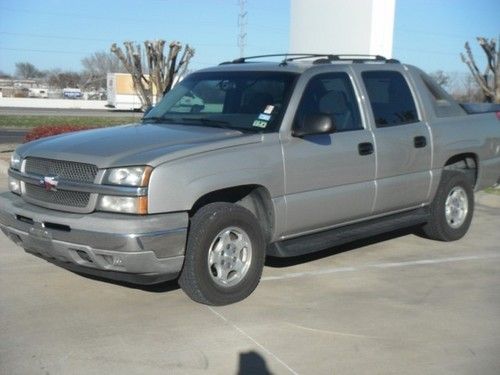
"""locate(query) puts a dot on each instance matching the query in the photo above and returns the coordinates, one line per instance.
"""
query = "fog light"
(117, 261)
(14, 185)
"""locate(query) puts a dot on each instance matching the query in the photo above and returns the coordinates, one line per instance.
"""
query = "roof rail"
(356, 58)
(293, 56)
(322, 58)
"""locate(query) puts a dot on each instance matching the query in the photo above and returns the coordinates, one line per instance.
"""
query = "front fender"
(177, 185)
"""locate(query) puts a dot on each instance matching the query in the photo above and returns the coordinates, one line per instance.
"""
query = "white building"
(342, 26)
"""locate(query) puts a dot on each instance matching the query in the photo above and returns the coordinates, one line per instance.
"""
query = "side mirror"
(315, 124)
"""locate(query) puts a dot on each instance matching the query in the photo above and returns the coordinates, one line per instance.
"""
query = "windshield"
(247, 101)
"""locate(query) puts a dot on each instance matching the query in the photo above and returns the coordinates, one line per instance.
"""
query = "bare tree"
(61, 80)
(26, 70)
(489, 81)
(161, 71)
(441, 78)
(97, 66)
(467, 90)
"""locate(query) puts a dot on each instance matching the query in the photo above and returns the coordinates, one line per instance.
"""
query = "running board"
(323, 240)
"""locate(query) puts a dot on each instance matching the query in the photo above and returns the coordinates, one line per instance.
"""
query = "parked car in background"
(71, 93)
(38, 93)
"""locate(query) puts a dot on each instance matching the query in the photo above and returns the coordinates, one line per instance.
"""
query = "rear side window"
(331, 94)
(442, 103)
(390, 98)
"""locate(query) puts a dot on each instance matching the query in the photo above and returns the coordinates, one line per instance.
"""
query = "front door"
(329, 178)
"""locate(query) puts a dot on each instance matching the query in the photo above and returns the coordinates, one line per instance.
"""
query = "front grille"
(58, 197)
(75, 201)
(65, 170)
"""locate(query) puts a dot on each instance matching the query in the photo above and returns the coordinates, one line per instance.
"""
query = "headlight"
(15, 161)
(129, 176)
(14, 185)
(127, 205)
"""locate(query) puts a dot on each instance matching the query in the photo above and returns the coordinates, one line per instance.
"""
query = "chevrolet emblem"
(50, 183)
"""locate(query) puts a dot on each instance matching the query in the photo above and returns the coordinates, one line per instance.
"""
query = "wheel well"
(466, 163)
(254, 198)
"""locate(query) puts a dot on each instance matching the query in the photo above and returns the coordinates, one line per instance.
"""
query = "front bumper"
(138, 249)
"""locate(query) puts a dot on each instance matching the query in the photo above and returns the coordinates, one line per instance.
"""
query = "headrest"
(333, 102)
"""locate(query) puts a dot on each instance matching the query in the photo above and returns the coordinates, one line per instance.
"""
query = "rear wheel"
(224, 255)
(452, 209)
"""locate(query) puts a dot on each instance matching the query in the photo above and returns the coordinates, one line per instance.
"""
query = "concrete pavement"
(396, 304)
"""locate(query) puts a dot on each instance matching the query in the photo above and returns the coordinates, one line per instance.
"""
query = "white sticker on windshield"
(264, 117)
(260, 124)
(269, 109)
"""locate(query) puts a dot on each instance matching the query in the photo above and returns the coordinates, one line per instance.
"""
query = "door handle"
(365, 148)
(420, 141)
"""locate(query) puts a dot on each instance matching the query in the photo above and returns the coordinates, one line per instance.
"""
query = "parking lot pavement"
(390, 305)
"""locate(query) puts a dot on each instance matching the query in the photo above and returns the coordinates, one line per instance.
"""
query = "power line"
(134, 21)
(43, 50)
(433, 34)
(42, 36)
(192, 62)
(55, 37)
(430, 52)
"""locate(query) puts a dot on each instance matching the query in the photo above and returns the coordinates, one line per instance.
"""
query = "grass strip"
(11, 121)
(492, 190)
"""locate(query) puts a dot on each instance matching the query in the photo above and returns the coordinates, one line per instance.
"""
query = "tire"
(224, 256)
(452, 208)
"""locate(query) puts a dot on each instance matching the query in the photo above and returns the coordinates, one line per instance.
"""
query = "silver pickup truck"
(249, 159)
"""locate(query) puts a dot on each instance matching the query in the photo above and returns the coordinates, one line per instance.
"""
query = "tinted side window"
(443, 104)
(390, 98)
(331, 94)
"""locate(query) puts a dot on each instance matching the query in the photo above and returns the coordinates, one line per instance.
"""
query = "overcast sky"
(59, 33)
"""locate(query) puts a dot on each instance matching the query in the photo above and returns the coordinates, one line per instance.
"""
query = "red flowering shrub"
(49, 130)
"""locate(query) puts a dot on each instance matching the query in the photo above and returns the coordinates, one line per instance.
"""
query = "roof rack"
(293, 56)
(355, 58)
(322, 58)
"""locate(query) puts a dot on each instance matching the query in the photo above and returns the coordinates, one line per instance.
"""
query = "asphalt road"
(396, 304)
(12, 135)
(14, 111)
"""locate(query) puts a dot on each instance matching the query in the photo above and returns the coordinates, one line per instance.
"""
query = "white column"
(342, 26)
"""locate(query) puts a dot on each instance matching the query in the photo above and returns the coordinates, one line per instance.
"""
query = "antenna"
(242, 26)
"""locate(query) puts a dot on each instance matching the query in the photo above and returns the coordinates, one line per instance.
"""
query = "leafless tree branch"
(162, 71)
(489, 82)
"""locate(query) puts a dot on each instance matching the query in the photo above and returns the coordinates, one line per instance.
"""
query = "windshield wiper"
(196, 121)
(159, 119)
(203, 121)
(208, 122)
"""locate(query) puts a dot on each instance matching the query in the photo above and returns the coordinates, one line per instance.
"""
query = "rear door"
(403, 141)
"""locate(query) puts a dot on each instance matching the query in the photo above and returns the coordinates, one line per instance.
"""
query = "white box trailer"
(121, 93)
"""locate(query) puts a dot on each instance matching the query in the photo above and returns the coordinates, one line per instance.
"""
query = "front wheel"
(224, 255)
(452, 209)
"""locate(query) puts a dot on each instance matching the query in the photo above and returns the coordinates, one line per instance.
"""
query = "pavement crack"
(336, 333)
(242, 332)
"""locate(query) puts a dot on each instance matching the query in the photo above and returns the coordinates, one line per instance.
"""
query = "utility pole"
(242, 26)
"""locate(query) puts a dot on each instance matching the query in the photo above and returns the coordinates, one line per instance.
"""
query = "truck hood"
(135, 144)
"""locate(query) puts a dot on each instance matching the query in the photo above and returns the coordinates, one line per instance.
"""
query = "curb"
(4, 166)
(489, 200)
(8, 147)
(5, 151)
